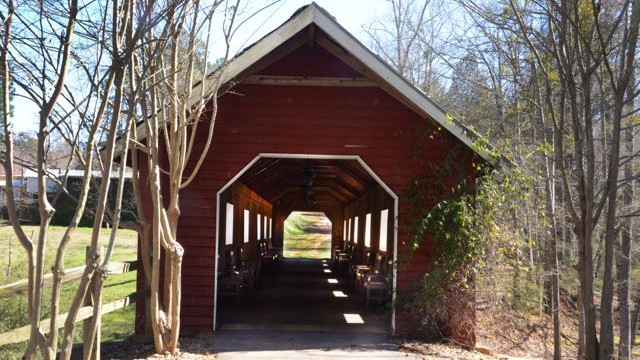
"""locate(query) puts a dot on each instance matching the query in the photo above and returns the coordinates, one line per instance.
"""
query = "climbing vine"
(460, 228)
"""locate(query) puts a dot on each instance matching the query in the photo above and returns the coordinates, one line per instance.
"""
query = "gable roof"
(345, 46)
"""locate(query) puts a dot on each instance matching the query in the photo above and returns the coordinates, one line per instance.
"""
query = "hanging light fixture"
(308, 174)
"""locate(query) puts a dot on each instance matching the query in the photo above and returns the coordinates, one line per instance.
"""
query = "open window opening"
(367, 231)
(356, 239)
(229, 225)
(307, 235)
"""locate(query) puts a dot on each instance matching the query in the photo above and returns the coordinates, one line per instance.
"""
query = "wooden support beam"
(20, 287)
(311, 39)
(309, 81)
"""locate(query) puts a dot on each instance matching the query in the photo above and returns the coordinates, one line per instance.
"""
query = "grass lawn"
(307, 235)
(115, 326)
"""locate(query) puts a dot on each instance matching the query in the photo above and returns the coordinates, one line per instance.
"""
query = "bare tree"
(550, 80)
(572, 45)
(619, 60)
(46, 101)
(179, 106)
(79, 118)
(413, 39)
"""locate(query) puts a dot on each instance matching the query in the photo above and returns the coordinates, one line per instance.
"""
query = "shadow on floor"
(305, 295)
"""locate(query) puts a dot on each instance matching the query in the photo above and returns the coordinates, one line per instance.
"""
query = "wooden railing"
(86, 312)
(20, 287)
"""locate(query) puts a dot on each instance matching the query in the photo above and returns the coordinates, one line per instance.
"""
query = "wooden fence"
(19, 288)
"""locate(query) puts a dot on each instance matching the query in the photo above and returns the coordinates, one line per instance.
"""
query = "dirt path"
(257, 344)
(307, 235)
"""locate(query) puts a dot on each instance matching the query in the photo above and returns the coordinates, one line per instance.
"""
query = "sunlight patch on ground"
(353, 319)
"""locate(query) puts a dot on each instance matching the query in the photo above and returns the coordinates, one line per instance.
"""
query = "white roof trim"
(342, 37)
(314, 14)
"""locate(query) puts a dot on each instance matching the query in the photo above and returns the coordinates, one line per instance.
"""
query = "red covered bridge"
(315, 122)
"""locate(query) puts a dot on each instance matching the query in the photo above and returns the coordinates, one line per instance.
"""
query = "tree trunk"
(623, 258)
(101, 208)
(551, 281)
(633, 328)
(606, 307)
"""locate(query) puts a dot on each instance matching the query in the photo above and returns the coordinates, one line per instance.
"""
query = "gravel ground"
(253, 344)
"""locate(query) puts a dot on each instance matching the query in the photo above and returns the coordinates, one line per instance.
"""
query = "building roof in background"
(75, 174)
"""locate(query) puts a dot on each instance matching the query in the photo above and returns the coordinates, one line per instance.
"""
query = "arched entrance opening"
(307, 235)
(317, 294)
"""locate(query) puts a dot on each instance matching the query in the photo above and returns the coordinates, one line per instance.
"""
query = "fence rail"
(86, 312)
(20, 287)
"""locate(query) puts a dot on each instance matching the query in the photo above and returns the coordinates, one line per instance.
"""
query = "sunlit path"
(307, 235)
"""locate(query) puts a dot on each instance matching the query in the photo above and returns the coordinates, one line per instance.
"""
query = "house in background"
(29, 181)
(26, 194)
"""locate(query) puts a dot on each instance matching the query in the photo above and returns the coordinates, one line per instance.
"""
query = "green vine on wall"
(461, 226)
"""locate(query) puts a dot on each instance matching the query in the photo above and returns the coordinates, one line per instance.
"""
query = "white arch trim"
(310, 156)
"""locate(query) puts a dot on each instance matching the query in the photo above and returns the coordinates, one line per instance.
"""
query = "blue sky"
(352, 14)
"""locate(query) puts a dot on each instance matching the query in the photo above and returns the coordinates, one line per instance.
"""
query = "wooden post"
(90, 300)
(143, 329)
(86, 324)
(9, 260)
(148, 331)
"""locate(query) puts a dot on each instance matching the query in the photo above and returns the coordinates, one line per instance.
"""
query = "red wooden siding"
(316, 61)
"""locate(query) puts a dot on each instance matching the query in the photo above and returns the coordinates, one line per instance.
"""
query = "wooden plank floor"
(302, 295)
